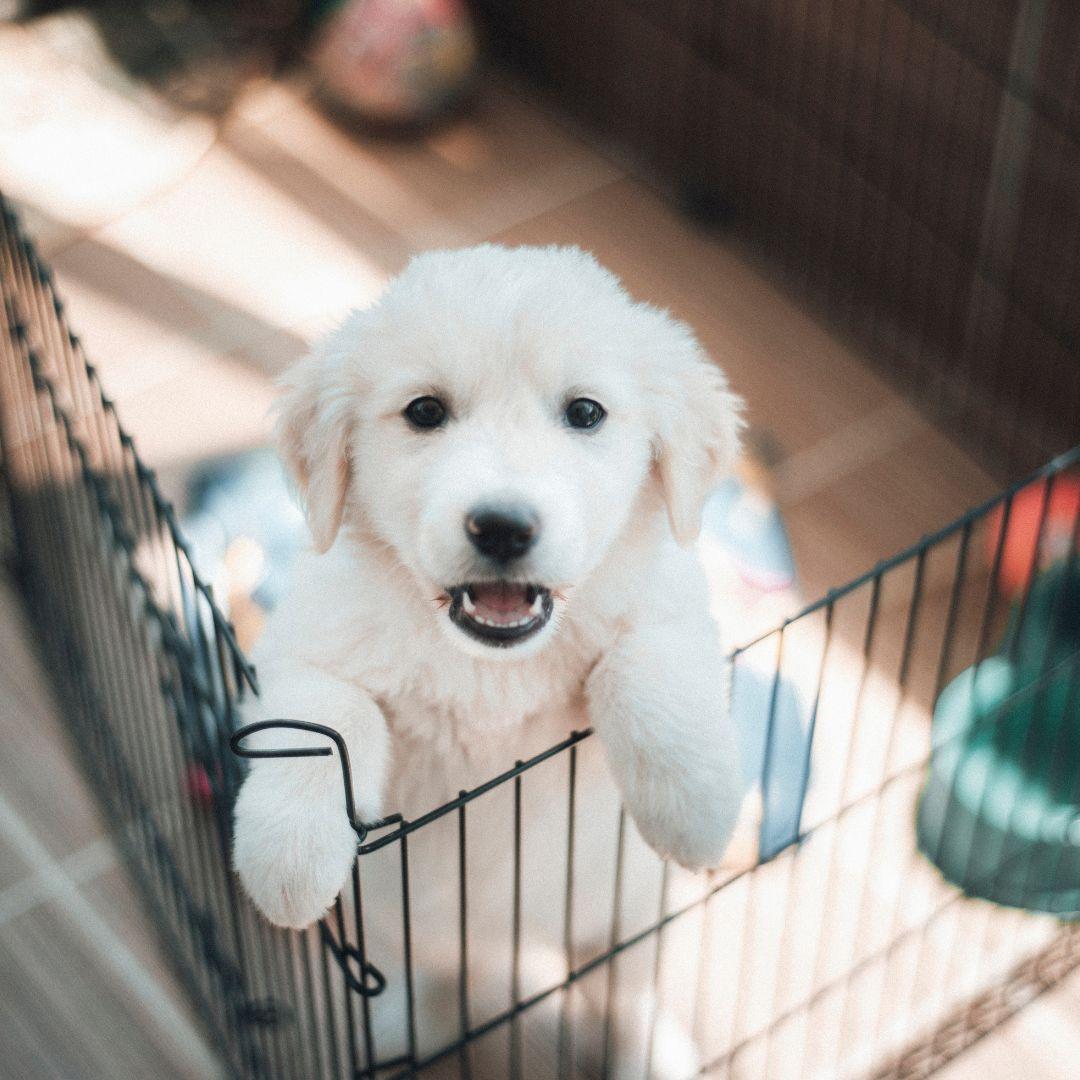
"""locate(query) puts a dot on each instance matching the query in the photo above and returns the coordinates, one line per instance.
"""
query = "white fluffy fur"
(507, 337)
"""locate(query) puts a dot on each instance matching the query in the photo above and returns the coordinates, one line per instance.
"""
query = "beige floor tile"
(86, 992)
(327, 177)
(50, 234)
(78, 150)
(886, 503)
(138, 327)
(503, 161)
(166, 354)
(141, 326)
(222, 407)
(1040, 1043)
(262, 99)
(38, 779)
(263, 235)
(91, 997)
(806, 472)
(250, 256)
(799, 382)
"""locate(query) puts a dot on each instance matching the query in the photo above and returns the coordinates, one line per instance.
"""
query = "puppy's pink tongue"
(500, 601)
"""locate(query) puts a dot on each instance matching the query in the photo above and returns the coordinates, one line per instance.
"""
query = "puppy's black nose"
(502, 533)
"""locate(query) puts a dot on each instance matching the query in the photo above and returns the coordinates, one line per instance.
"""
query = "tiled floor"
(84, 991)
(198, 256)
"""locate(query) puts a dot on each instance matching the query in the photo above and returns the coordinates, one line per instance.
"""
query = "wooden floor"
(198, 256)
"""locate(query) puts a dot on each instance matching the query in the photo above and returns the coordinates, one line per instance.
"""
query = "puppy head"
(495, 421)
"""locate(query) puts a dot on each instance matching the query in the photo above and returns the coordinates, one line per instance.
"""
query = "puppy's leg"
(659, 702)
(293, 846)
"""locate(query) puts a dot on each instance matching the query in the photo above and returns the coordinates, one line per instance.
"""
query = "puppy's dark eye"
(426, 412)
(583, 412)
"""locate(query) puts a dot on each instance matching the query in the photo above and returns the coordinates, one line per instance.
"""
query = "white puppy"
(503, 465)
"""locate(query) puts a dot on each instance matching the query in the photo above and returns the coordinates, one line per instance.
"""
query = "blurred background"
(868, 209)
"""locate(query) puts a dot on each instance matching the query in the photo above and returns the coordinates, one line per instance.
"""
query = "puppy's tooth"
(467, 603)
(537, 604)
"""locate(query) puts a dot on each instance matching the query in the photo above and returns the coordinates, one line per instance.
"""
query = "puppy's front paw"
(694, 833)
(293, 854)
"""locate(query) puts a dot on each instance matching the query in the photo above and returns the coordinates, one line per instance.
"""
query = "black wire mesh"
(909, 166)
(828, 944)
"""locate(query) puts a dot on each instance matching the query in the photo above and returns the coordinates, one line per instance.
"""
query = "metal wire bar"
(614, 938)
(1060, 464)
(603, 959)
(515, 942)
(658, 962)
(464, 1066)
(864, 916)
(565, 1050)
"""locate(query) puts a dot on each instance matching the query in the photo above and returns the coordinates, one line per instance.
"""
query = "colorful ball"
(395, 61)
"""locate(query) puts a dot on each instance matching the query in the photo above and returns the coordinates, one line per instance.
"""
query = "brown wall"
(911, 180)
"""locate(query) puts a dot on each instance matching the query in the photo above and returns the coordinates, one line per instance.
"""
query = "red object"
(197, 785)
(1022, 534)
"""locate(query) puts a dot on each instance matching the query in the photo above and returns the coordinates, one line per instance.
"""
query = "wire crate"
(828, 945)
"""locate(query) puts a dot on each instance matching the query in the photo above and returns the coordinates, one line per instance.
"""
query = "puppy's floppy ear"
(313, 429)
(697, 439)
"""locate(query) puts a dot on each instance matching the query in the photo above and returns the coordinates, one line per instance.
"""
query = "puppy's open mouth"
(500, 612)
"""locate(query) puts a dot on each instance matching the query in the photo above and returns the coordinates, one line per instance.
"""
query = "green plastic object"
(999, 814)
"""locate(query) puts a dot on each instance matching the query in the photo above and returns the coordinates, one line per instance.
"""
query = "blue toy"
(244, 499)
(743, 522)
